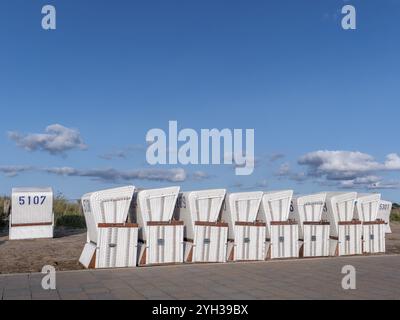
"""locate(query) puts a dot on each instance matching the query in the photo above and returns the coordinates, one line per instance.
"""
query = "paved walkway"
(378, 277)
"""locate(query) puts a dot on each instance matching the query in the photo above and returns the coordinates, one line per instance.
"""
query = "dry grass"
(3, 215)
(68, 213)
(395, 215)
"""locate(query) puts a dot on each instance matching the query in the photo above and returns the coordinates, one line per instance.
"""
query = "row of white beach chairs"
(128, 228)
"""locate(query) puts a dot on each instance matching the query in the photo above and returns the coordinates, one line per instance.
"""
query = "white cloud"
(114, 155)
(276, 156)
(284, 169)
(339, 165)
(200, 175)
(112, 175)
(57, 139)
(346, 164)
(245, 160)
(63, 171)
(350, 169)
(13, 171)
(168, 175)
(380, 185)
(366, 181)
(298, 176)
(122, 153)
(392, 162)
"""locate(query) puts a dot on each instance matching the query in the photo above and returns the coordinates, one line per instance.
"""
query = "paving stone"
(101, 296)
(67, 290)
(240, 296)
(16, 292)
(74, 296)
(19, 297)
(377, 278)
(96, 290)
(115, 284)
(124, 294)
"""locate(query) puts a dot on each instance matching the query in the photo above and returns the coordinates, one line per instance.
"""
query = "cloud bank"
(56, 140)
(169, 175)
(13, 171)
(344, 169)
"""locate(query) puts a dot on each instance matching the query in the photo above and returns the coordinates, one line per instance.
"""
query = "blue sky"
(324, 102)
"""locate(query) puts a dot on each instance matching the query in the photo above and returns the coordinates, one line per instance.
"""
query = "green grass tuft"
(395, 215)
(71, 221)
(68, 213)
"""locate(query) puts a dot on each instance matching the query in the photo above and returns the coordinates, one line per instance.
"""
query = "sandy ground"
(393, 239)
(64, 251)
(25, 256)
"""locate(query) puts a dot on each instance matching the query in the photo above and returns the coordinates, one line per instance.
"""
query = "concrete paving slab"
(377, 278)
